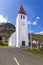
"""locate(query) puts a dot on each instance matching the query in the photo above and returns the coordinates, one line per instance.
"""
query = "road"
(18, 56)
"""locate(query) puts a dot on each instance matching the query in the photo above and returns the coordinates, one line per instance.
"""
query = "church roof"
(22, 11)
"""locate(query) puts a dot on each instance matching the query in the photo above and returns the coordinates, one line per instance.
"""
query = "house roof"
(22, 11)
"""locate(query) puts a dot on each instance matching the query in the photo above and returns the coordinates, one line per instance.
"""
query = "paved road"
(15, 56)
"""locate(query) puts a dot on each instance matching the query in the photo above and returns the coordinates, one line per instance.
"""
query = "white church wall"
(22, 31)
(25, 35)
(12, 40)
(17, 31)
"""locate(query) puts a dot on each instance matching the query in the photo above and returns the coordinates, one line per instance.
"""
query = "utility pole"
(30, 35)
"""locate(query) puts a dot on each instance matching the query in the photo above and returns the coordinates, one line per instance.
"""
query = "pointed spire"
(22, 11)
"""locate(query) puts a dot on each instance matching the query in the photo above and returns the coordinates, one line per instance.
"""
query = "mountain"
(36, 37)
(7, 29)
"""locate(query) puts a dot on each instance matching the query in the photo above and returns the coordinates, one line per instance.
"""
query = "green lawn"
(36, 52)
(3, 46)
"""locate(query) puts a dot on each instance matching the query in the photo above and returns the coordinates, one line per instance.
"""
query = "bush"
(34, 45)
(1, 43)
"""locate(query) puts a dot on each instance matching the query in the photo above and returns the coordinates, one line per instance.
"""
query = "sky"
(34, 9)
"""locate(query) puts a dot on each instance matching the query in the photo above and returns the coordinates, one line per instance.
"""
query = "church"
(20, 37)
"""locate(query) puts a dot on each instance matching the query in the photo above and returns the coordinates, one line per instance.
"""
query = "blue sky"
(34, 9)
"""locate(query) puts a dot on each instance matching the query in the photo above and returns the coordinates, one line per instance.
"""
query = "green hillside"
(37, 37)
(6, 29)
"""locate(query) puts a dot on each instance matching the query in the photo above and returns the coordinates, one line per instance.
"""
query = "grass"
(36, 52)
(3, 46)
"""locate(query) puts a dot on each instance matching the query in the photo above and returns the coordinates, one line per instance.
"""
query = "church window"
(23, 17)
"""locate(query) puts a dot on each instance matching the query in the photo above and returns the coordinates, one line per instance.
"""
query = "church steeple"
(22, 11)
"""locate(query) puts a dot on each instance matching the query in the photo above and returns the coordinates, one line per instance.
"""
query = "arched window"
(21, 16)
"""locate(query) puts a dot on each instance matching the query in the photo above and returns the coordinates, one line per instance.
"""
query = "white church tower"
(21, 29)
(20, 37)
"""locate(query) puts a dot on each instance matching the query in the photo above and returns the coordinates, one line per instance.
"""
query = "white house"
(20, 37)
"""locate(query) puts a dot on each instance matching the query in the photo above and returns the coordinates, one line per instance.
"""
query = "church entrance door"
(23, 43)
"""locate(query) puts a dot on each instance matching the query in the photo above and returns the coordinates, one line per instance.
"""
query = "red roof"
(22, 11)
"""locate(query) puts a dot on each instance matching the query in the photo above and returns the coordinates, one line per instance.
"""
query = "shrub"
(1, 43)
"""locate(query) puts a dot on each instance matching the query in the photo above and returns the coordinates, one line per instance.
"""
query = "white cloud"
(39, 32)
(34, 23)
(3, 19)
(38, 18)
(9, 21)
